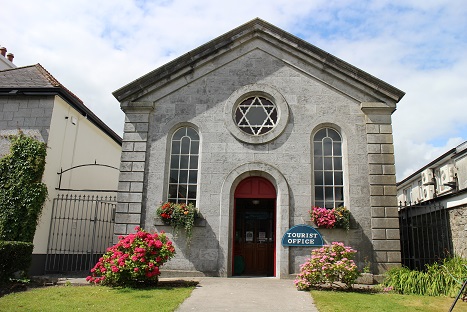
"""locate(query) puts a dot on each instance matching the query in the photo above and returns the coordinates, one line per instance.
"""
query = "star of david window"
(256, 115)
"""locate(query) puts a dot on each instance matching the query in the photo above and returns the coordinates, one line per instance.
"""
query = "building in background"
(256, 127)
(6, 59)
(433, 209)
(83, 156)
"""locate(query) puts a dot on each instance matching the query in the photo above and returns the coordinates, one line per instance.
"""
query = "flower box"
(177, 215)
(331, 218)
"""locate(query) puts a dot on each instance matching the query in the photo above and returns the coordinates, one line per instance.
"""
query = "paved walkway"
(241, 294)
(247, 294)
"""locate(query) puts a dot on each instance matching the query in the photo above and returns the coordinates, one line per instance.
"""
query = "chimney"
(3, 51)
(10, 57)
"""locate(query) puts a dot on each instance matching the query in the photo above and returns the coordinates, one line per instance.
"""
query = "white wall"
(74, 140)
(5, 63)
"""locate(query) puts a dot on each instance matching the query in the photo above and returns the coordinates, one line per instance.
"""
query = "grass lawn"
(96, 298)
(333, 301)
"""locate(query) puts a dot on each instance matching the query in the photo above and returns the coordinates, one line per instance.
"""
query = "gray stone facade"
(31, 114)
(314, 90)
(458, 222)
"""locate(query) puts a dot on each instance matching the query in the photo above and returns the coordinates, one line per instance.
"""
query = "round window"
(256, 115)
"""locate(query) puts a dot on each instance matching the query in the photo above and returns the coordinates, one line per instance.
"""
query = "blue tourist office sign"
(302, 235)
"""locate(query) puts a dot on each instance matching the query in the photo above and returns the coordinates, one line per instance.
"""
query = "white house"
(438, 191)
(6, 60)
(83, 155)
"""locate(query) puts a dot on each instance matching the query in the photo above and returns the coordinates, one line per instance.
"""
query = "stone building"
(434, 199)
(255, 127)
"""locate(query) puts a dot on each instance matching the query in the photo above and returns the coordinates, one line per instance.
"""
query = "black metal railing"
(425, 234)
(81, 229)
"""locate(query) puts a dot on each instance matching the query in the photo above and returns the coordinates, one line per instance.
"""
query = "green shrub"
(179, 216)
(439, 279)
(328, 265)
(134, 261)
(14, 256)
(22, 194)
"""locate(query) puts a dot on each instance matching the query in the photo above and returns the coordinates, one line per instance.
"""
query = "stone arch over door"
(231, 182)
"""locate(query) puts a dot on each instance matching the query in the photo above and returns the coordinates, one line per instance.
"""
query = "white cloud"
(96, 47)
(416, 155)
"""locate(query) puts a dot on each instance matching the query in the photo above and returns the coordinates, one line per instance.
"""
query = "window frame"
(256, 90)
(328, 168)
(187, 165)
(244, 115)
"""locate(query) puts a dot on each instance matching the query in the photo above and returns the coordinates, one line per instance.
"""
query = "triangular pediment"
(327, 67)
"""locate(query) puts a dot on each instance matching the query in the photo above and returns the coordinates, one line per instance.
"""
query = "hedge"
(14, 256)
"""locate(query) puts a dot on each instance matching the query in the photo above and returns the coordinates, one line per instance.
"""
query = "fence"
(425, 232)
(81, 229)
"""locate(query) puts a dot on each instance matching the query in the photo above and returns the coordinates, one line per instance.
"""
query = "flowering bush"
(331, 218)
(178, 216)
(328, 264)
(133, 261)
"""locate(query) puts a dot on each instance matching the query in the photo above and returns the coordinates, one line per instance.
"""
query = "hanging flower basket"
(179, 216)
(331, 218)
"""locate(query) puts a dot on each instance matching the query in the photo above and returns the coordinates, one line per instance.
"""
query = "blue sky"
(418, 46)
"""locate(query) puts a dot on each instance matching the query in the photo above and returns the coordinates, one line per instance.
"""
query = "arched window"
(184, 166)
(328, 174)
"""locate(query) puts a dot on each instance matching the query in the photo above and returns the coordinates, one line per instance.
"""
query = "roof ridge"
(48, 76)
(55, 82)
(16, 68)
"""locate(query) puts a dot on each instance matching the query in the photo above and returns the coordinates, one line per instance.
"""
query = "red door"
(254, 228)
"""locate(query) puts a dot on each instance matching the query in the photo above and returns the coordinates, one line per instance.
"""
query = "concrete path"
(242, 294)
(247, 294)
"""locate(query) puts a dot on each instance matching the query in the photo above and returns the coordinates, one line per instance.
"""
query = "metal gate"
(425, 234)
(81, 230)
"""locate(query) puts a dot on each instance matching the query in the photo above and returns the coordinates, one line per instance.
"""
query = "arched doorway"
(254, 228)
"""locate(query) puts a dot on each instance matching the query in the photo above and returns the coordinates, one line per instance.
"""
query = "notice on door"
(302, 235)
(249, 236)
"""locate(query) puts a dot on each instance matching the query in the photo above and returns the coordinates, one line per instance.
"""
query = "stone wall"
(385, 235)
(458, 222)
(30, 114)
